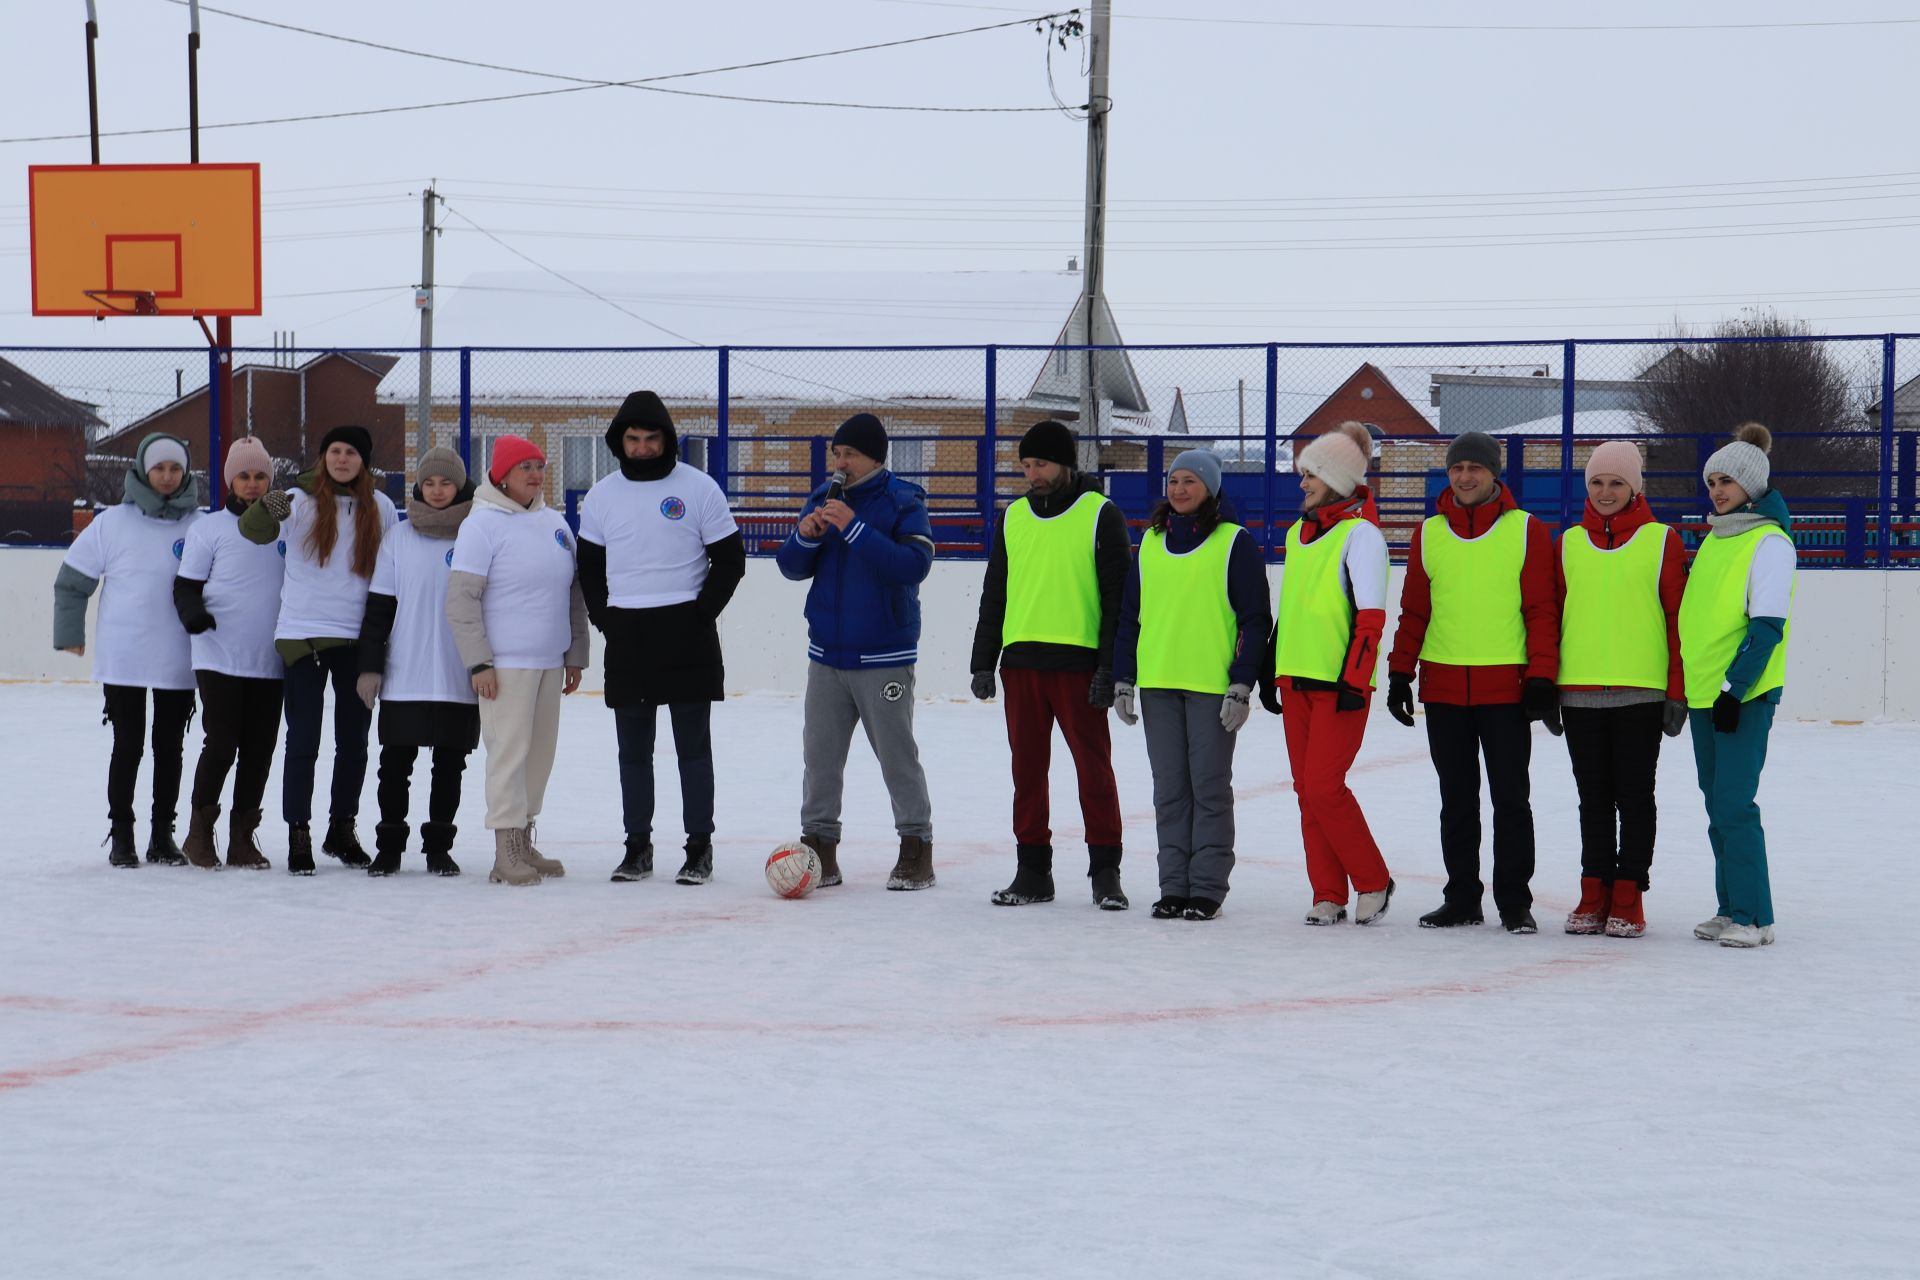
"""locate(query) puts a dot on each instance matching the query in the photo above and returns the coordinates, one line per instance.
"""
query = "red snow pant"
(1035, 702)
(1321, 745)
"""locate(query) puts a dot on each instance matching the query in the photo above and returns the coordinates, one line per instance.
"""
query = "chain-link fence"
(1845, 413)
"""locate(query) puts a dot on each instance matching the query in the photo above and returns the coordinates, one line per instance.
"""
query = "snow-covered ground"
(244, 1074)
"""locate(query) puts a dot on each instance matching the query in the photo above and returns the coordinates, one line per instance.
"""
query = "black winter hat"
(644, 410)
(1050, 441)
(1476, 446)
(359, 439)
(866, 433)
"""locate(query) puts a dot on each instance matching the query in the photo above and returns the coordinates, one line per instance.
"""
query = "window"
(577, 469)
(908, 458)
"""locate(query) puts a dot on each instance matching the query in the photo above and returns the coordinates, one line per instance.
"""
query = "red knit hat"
(508, 453)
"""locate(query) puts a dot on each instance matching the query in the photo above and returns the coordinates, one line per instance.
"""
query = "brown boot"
(243, 848)
(199, 847)
(534, 858)
(829, 851)
(508, 868)
(914, 870)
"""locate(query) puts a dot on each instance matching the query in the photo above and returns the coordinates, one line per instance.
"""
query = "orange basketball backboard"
(106, 236)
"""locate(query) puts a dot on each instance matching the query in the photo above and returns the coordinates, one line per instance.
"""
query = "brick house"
(44, 437)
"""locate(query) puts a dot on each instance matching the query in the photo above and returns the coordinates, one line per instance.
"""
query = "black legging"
(126, 711)
(241, 717)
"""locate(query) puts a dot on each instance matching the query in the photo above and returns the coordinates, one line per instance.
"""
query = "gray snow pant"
(1192, 760)
(881, 701)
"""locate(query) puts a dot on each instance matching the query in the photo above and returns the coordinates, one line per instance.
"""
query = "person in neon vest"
(1186, 656)
(1323, 651)
(1733, 642)
(1620, 574)
(1479, 618)
(1048, 610)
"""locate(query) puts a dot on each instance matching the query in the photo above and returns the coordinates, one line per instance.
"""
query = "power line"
(1452, 26)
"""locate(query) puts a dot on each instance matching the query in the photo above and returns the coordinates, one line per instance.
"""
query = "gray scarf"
(186, 498)
(1743, 520)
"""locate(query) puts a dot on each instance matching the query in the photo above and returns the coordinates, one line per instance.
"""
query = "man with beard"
(1048, 611)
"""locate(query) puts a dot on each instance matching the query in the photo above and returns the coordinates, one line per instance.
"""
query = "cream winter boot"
(508, 868)
(534, 858)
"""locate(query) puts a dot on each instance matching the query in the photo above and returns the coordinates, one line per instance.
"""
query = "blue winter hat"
(1204, 463)
(866, 433)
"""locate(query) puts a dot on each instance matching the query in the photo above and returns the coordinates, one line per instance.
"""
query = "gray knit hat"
(1476, 446)
(444, 463)
(1744, 461)
(1204, 463)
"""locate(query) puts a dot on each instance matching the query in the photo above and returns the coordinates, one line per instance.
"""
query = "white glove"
(1235, 707)
(1123, 703)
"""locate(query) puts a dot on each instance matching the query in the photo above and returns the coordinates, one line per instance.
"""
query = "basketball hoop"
(125, 302)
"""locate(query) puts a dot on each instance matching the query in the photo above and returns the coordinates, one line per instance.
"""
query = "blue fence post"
(1517, 468)
(216, 405)
(1156, 470)
(1887, 350)
(722, 429)
(989, 460)
(816, 464)
(1853, 535)
(466, 408)
(1566, 433)
(1272, 411)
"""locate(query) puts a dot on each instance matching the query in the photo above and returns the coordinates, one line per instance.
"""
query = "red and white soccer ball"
(793, 870)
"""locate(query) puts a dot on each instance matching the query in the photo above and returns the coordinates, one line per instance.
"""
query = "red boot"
(1626, 918)
(1591, 915)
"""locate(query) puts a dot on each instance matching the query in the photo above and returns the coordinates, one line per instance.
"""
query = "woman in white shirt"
(227, 595)
(520, 624)
(332, 524)
(408, 662)
(139, 643)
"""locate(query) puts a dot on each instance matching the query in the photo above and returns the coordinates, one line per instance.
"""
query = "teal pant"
(1729, 766)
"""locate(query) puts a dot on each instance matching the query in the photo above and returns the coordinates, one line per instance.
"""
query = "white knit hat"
(1336, 459)
(1745, 460)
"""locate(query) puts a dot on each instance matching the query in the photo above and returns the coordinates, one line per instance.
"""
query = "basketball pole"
(93, 83)
(218, 423)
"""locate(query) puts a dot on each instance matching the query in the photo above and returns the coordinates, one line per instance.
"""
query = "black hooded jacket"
(1112, 551)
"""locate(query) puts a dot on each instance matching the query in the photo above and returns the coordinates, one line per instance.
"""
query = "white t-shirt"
(317, 602)
(527, 558)
(243, 595)
(656, 533)
(422, 663)
(138, 639)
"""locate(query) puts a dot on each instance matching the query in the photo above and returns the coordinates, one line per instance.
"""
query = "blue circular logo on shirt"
(449, 557)
(179, 547)
(560, 536)
(673, 508)
(282, 545)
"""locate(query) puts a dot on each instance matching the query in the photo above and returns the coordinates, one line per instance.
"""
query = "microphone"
(836, 486)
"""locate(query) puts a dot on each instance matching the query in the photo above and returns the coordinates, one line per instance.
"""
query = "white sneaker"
(1710, 930)
(1747, 935)
(1369, 907)
(1326, 913)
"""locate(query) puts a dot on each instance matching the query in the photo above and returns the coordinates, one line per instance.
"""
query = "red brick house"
(43, 436)
(1370, 396)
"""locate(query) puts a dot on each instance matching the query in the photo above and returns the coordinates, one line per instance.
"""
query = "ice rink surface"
(251, 1075)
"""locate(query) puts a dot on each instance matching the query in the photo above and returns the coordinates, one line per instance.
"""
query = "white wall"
(1852, 655)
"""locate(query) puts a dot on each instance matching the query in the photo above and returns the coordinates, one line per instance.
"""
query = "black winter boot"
(1202, 909)
(1169, 908)
(1520, 921)
(638, 864)
(1032, 879)
(389, 842)
(121, 852)
(1450, 915)
(436, 842)
(698, 868)
(161, 850)
(299, 849)
(829, 851)
(1103, 873)
(243, 845)
(343, 842)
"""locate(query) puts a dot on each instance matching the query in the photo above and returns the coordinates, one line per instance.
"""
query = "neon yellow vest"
(1476, 618)
(1613, 630)
(1713, 618)
(1053, 588)
(1187, 627)
(1315, 617)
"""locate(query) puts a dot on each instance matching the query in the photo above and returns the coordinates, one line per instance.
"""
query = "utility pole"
(1093, 262)
(423, 299)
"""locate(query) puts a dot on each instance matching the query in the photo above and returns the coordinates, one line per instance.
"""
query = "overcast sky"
(1271, 178)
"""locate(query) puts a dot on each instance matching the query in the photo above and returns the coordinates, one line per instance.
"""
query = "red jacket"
(1539, 604)
(1611, 531)
(1369, 625)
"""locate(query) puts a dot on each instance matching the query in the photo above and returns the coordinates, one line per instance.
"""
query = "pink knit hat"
(1336, 459)
(247, 454)
(1617, 458)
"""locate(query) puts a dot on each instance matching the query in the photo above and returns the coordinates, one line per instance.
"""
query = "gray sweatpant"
(1192, 760)
(880, 700)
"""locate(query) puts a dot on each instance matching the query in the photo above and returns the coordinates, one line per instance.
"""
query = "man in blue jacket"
(865, 541)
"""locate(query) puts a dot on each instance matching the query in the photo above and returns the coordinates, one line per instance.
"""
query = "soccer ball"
(793, 870)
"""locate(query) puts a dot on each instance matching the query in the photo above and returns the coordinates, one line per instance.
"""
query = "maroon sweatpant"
(1035, 702)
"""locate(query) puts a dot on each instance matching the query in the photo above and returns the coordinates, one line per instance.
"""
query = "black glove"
(1541, 701)
(1400, 697)
(1726, 713)
(1270, 695)
(200, 622)
(983, 685)
(1100, 689)
(1348, 698)
(1673, 717)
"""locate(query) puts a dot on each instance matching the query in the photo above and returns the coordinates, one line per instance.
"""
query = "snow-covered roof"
(1414, 382)
(1587, 423)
